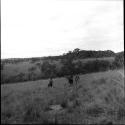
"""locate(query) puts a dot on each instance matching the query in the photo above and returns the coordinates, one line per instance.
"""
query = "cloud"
(52, 27)
(104, 30)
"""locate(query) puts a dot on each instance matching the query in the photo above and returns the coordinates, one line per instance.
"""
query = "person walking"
(50, 82)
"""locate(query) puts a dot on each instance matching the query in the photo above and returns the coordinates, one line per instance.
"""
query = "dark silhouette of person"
(50, 82)
(70, 79)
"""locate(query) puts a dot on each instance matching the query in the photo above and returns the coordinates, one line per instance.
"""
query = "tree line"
(76, 54)
(68, 67)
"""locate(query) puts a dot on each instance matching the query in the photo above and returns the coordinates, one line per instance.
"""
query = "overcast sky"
(35, 28)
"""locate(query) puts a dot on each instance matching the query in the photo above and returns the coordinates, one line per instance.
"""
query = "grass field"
(11, 70)
(99, 98)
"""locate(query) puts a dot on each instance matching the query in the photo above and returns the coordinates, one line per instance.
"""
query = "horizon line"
(55, 55)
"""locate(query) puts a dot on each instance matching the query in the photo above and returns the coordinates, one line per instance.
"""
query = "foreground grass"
(99, 99)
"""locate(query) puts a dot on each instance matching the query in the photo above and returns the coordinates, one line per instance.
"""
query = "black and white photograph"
(62, 62)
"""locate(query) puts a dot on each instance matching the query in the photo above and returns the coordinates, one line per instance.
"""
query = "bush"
(119, 60)
(96, 66)
(49, 70)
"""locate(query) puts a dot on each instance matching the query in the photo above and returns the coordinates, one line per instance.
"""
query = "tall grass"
(95, 101)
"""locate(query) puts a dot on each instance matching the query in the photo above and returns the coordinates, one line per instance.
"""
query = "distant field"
(11, 70)
(100, 97)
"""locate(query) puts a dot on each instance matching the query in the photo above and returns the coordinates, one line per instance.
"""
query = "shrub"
(48, 69)
(21, 76)
(119, 60)
(97, 65)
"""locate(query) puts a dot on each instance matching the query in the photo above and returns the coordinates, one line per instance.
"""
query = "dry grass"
(12, 70)
(99, 98)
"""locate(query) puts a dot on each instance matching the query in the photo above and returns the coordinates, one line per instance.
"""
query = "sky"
(36, 28)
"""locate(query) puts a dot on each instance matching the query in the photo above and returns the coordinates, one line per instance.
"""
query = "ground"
(99, 98)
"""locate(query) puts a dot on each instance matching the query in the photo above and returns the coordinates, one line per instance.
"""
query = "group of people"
(69, 78)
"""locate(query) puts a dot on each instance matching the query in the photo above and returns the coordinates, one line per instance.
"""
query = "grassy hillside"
(99, 98)
(75, 62)
(12, 71)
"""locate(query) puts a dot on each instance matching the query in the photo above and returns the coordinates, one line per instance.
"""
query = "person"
(50, 82)
(70, 79)
(77, 78)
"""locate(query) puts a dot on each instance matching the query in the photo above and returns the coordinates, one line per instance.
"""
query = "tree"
(68, 65)
(38, 64)
(76, 50)
(79, 67)
(20, 76)
(119, 60)
(32, 75)
(49, 70)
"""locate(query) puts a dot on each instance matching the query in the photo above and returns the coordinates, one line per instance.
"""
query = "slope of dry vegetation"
(28, 69)
(100, 98)
(25, 71)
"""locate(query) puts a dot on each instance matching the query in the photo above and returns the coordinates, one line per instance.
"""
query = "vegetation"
(49, 70)
(99, 100)
(119, 60)
(69, 63)
(76, 53)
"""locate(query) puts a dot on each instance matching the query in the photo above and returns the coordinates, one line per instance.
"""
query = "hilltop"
(77, 53)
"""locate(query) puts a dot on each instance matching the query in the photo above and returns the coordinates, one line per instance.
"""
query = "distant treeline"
(69, 67)
(76, 53)
(96, 65)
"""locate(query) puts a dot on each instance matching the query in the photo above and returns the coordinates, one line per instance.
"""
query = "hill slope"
(20, 70)
(100, 99)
